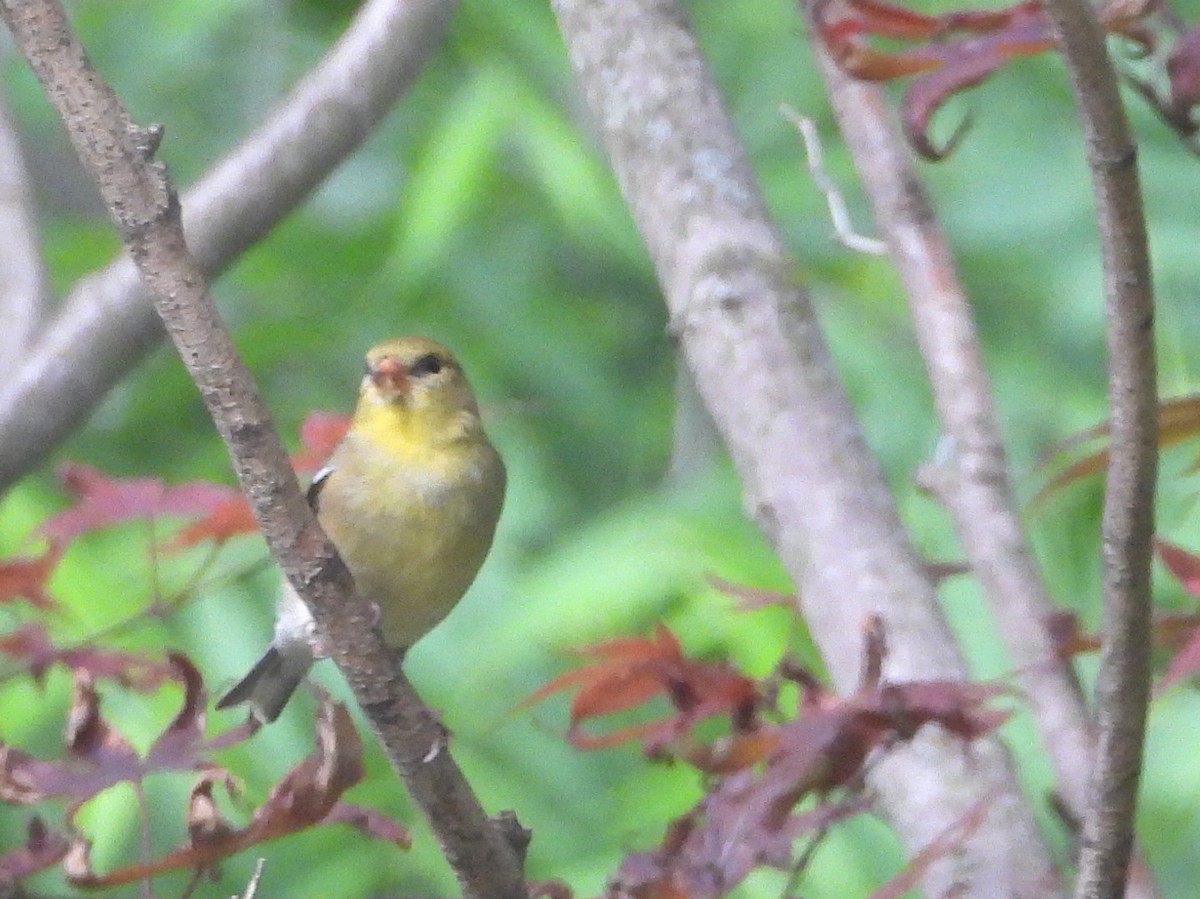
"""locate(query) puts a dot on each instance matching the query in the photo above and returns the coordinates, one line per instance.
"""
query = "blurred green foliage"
(483, 213)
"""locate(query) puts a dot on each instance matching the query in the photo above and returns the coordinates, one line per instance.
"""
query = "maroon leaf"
(99, 757)
(959, 707)
(101, 501)
(1067, 638)
(220, 512)
(954, 52)
(1183, 69)
(632, 670)
(1185, 663)
(307, 795)
(370, 822)
(963, 66)
(749, 817)
(550, 889)
(319, 434)
(1183, 565)
(176, 747)
(92, 740)
(32, 645)
(25, 578)
(710, 850)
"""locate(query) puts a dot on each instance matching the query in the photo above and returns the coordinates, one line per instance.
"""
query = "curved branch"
(1123, 682)
(142, 202)
(751, 340)
(108, 323)
(23, 288)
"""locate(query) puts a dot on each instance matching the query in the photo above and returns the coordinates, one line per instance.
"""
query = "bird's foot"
(442, 741)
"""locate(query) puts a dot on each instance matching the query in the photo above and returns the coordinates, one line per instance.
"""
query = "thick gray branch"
(108, 323)
(750, 338)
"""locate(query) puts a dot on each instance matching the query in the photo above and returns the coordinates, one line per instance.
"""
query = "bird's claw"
(442, 741)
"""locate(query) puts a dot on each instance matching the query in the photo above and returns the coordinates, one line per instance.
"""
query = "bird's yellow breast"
(412, 523)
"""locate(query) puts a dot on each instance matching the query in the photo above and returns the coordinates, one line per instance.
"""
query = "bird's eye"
(428, 364)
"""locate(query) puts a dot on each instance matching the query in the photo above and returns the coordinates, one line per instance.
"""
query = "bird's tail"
(270, 683)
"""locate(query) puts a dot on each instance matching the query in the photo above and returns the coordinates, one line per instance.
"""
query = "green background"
(482, 213)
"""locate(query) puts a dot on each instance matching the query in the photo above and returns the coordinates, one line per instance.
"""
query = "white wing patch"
(313, 494)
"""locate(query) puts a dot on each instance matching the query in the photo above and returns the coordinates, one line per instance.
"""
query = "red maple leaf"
(762, 771)
(1183, 69)
(630, 671)
(219, 512)
(953, 52)
(98, 756)
(748, 818)
(25, 578)
(101, 501)
(232, 516)
(320, 432)
(1183, 565)
(229, 517)
(309, 794)
(31, 644)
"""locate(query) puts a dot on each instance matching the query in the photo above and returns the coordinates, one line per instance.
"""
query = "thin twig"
(256, 878)
(838, 213)
(143, 204)
(1127, 529)
(194, 879)
(139, 791)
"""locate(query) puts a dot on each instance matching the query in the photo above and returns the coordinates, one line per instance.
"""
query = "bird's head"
(417, 382)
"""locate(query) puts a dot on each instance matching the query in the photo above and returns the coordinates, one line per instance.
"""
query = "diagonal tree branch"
(144, 206)
(751, 341)
(108, 323)
(1123, 683)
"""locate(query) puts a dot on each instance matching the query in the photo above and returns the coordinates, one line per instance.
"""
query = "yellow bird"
(410, 497)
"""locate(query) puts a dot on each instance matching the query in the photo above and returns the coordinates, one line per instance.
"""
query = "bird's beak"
(390, 378)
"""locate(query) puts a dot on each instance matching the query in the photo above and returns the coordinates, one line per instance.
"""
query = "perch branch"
(139, 195)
